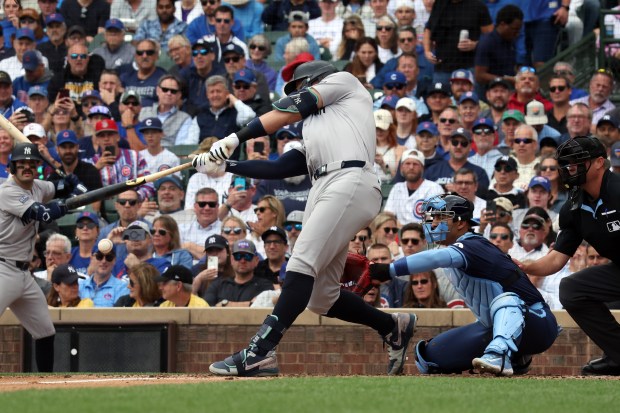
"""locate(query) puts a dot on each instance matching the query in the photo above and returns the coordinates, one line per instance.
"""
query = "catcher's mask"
(438, 210)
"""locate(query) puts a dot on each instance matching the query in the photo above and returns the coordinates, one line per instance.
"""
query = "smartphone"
(491, 209)
(259, 147)
(111, 149)
(239, 183)
(212, 263)
(26, 111)
(63, 93)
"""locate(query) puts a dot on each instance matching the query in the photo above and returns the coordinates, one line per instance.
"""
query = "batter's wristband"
(254, 129)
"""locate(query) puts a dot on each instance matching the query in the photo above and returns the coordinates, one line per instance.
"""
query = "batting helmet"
(309, 72)
(576, 152)
(24, 152)
(447, 206)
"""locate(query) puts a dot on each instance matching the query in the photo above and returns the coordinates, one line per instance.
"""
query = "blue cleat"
(246, 363)
(398, 341)
(493, 363)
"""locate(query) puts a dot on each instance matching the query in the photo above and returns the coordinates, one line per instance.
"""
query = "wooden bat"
(108, 191)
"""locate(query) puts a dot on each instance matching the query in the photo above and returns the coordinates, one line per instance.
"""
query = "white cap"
(383, 119)
(34, 129)
(294, 216)
(404, 3)
(412, 154)
(535, 114)
(292, 145)
(406, 103)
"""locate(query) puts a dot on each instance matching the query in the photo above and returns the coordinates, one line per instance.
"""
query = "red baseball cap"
(289, 69)
(106, 125)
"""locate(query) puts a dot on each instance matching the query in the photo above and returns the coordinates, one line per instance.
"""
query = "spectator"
(38, 102)
(220, 181)
(167, 242)
(240, 290)
(245, 88)
(506, 173)
(10, 23)
(89, 146)
(80, 75)
(54, 49)
(486, 155)
(249, 14)
(126, 205)
(559, 92)
(62, 114)
(468, 109)
(47, 7)
(101, 286)
(465, 184)
(379, 10)
(204, 274)
(502, 237)
(297, 27)
(404, 12)
(143, 288)
(276, 245)
(549, 168)
(394, 84)
(164, 27)
(201, 26)
(196, 75)
(233, 229)
(384, 229)
(295, 53)
(496, 54)
(224, 36)
(536, 117)
(64, 292)
(144, 80)
(388, 150)
(9, 104)
(36, 134)
(234, 60)
(23, 42)
(386, 38)
(511, 120)
(373, 298)
(239, 199)
(260, 50)
(452, 34)
(392, 291)
(527, 87)
(175, 285)
(115, 51)
(366, 63)
(461, 82)
(269, 212)
(91, 16)
(497, 94)
(327, 29)
(360, 242)
(578, 121)
(542, 25)
(180, 51)
(139, 246)
(438, 98)
(86, 233)
(136, 10)
(170, 195)
(566, 69)
(594, 258)
(406, 122)
(530, 245)
(36, 75)
(352, 31)
(89, 99)
(110, 90)
(525, 147)
(412, 238)
(601, 86)
(57, 252)
(406, 198)
(607, 130)
(538, 195)
(196, 225)
(293, 226)
(277, 13)
(448, 122)
(500, 214)
(422, 291)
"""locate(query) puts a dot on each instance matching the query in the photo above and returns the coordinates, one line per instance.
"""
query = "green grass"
(331, 394)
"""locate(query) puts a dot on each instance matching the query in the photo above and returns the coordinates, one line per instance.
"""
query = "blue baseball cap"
(469, 96)
(150, 123)
(88, 215)
(170, 178)
(427, 127)
(66, 136)
(245, 76)
(91, 94)
(390, 101)
(37, 90)
(232, 48)
(32, 59)
(540, 181)
(114, 24)
(100, 110)
(483, 122)
(462, 74)
(293, 130)
(392, 78)
(54, 18)
(24, 32)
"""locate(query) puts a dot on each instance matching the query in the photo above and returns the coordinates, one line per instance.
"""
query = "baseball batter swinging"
(24, 202)
(338, 152)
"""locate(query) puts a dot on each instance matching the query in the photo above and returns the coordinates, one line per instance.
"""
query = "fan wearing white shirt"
(157, 157)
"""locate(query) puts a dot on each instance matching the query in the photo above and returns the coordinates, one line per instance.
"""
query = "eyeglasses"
(393, 86)
(168, 90)
(260, 209)
(447, 120)
(554, 89)
(503, 214)
(360, 238)
(524, 69)
(459, 142)
(255, 46)
(393, 230)
(211, 2)
(384, 28)
(549, 168)
(90, 102)
(238, 256)
(83, 12)
(412, 241)
(483, 131)
(60, 112)
(505, 168)
(148, 52)
(240, 86)
(202, 204)
(109, 257)
(202, 52)
(225, 21)
(423, 281)
(76, 56)
(233, 230)
(534, 225)
(273, 241)
(131, 283)
(463, 183)
(27, 20)
(525, 141)
(229, 59)
(160, 231)
(125, 202)
(495, 235)
(406, 39)
(290, 227)
(132, 103)
(82, 225)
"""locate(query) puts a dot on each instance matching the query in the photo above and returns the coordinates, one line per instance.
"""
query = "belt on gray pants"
(334, 166)
(22, 265)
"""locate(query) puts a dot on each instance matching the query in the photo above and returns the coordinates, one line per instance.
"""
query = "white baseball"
(105, 246)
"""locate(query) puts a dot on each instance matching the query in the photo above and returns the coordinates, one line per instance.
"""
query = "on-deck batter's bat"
(20, 137)
(105, 192)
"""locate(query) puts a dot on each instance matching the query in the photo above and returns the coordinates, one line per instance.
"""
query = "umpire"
(592, 213)
(24, 202)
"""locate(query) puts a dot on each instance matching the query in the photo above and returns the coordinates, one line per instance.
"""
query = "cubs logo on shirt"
(125, 171)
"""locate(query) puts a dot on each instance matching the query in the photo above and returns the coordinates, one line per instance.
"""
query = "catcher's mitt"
(356, 275)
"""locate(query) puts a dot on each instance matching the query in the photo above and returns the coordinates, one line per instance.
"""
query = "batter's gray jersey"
(16, 238)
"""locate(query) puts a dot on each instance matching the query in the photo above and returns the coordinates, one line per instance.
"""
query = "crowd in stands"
(113, 90)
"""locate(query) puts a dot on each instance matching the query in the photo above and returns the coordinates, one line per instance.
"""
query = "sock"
(352, 308)
(296, 292)
(44, 354)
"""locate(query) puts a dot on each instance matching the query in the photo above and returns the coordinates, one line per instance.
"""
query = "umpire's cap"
(309, 72)
(26, 152)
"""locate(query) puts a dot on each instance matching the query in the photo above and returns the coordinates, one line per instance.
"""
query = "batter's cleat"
(398, 341)
(493, 363)
(246, 363)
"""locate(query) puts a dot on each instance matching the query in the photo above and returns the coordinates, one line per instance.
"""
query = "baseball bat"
(105, 192)
(20, 137)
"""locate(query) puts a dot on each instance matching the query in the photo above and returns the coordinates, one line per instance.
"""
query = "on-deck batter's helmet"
(24, 151)
(575, 152)
(447, 207)
(309, 72)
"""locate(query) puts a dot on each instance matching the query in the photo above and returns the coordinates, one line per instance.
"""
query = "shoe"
(603, 366)
(493, 363)
(398, 341)
(521, 364)
(246, 363)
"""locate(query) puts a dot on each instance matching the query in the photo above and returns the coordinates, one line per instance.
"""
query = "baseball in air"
(105, 246)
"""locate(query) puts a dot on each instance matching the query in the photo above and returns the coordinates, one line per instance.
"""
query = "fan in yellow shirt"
(175, 285)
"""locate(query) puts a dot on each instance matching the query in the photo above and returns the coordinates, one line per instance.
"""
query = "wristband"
(566, 7)
(253, 129)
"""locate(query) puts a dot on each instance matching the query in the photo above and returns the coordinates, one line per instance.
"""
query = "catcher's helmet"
(309, 72)
(447, 206)
(576, 152)
(24, 151)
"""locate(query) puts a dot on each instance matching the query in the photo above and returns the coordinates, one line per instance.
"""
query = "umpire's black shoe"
(604, 366)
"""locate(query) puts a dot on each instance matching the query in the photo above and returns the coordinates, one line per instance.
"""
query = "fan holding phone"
(239, 200)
